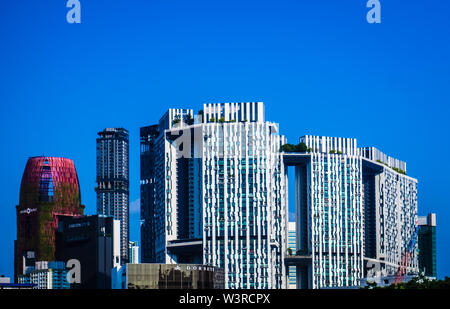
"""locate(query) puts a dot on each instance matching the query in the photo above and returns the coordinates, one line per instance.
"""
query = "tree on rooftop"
(188, 119)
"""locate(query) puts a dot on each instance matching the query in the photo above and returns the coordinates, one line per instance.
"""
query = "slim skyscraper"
(113, 181)
(219, 194)
(148, 137)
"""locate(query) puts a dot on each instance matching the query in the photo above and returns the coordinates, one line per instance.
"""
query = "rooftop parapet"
(429, 220)
(326, 144)
(239, 112)
(375, 154)
(175, 117)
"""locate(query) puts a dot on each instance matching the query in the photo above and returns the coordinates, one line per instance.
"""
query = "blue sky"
(318, 65)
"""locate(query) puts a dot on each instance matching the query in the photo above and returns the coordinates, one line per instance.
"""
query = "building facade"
(355, 213)
(46, 276)
(113, 180)
(335, 212)
(219, 194)
(148, 138)
(152, 142)
(168, 276)
(94, 243)
(390, 214)
(133, 248)
(427, 245)
(49, 189)
(292, 245)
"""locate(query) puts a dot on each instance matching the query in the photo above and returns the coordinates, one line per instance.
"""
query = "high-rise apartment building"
(49, 189)
(427, 245)
(152, 148)
(329, 212)
(356, 212)
(113, 181)
(214, 192)
(390, 213)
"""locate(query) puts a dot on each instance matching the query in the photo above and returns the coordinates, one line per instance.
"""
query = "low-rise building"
(46, 275)
(167, 276)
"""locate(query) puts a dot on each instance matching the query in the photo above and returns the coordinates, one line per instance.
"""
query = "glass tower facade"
(166, 276)
(148, 137)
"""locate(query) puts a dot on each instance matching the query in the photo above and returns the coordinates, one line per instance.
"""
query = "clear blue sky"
(318, 65)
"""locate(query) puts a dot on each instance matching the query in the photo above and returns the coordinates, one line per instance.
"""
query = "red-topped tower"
(49, 188)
